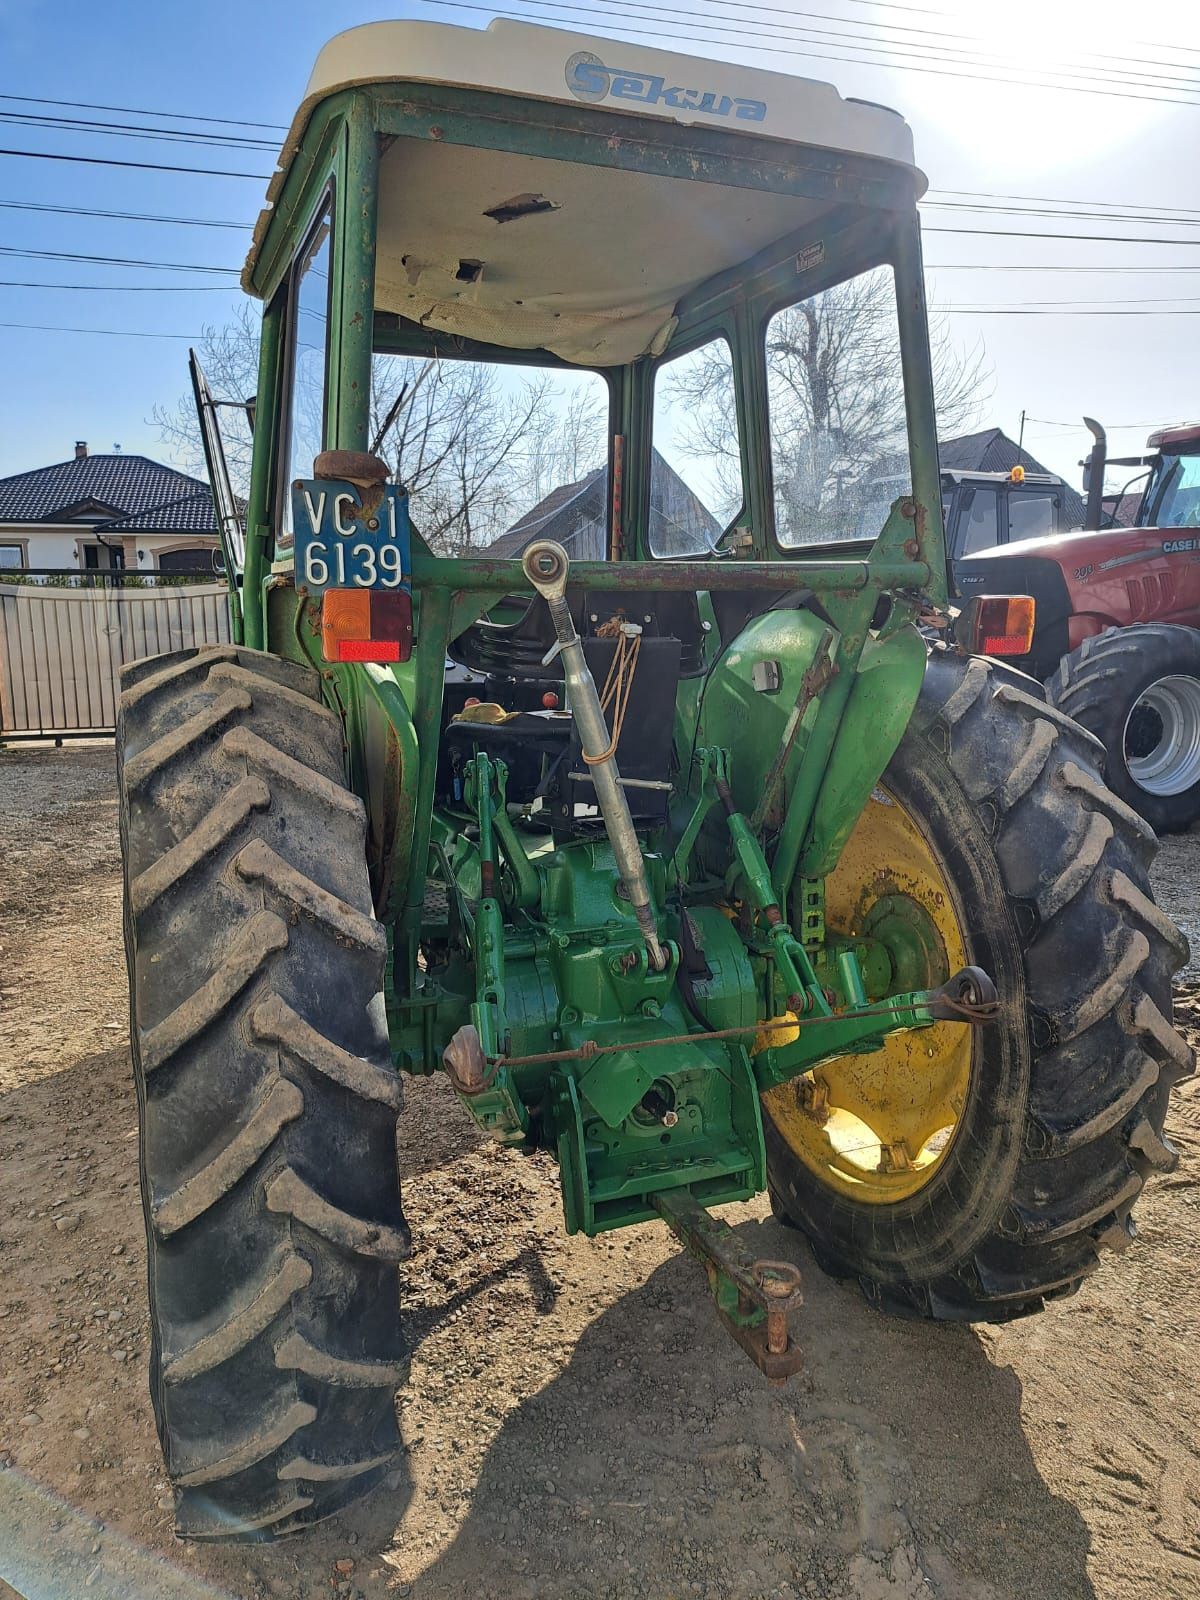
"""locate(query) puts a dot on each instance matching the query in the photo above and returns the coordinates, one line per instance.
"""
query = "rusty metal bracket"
(754, 1298)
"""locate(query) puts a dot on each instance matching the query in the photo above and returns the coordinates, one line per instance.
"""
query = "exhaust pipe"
(546, 566)
(1093, 476)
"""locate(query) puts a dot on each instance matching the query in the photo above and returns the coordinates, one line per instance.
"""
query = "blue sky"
(251, 61)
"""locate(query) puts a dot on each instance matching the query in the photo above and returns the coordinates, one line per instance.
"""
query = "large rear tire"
(266, 1092)
(1138, 690)
(992, 832)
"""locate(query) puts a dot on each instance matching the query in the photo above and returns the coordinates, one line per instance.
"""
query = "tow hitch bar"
(754, 1298)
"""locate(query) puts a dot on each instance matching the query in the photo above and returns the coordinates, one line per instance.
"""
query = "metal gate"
(62, 648)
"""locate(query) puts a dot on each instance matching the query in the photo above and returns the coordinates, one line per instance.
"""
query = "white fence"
(61, 649)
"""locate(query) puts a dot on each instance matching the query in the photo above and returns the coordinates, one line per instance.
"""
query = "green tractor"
(670, 842)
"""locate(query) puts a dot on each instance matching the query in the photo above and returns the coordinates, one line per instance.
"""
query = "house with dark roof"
(576, 516)
(106, 512)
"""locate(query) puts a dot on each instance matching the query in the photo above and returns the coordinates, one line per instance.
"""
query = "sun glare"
(1018, 126)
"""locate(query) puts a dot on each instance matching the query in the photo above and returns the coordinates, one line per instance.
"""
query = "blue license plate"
(337, 546)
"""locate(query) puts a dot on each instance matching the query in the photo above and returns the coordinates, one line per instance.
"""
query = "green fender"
(886, 685)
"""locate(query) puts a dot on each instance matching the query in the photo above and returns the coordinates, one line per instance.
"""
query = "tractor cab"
(631, 255)
(980, 510)
(1162, 490)
(523, 285)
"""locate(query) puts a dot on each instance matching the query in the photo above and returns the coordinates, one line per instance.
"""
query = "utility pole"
(1021, 437)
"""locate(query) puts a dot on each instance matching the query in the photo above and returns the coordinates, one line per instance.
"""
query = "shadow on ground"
(655, 1461)
(660, 1464)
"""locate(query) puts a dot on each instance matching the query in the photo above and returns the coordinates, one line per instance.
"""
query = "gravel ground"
(577, 1424)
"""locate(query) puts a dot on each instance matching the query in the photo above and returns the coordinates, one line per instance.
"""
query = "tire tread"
(263, 1073)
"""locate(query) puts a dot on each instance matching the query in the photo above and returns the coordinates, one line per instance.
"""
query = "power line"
(137, 111)
(975, 54)
(902, 62)
(142, 166)
(1136, 300)
(1057, 200)
(1010, 311)
(971, 40)
(1082, 238)
(110, 261)
(928, 11)
(126, 288)
(1109, 427)
(1061, 213)
(120, 216)
(112, 130)
(115, 333)
(987, 266)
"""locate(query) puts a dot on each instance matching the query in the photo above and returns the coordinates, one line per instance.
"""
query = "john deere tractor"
(664, 837)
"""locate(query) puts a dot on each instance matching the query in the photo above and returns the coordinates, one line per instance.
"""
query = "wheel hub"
(877, 1127)
(1162, 736)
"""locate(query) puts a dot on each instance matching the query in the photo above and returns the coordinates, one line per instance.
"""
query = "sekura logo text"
(589, 79)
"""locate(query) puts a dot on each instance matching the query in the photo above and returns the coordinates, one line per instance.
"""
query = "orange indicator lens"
(1002, 625)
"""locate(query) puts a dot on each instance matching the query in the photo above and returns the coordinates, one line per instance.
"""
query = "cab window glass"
(496, 454)
(1175, 493)
(874, 503)
(980, 522)
(309, 334)
(696, 464)
(836, 395)
(1030, 516)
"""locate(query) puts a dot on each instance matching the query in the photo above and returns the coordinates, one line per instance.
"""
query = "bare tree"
(565, 442)
(836, 398)
(476, 445)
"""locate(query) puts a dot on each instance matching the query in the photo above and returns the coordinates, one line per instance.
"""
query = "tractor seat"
(542, 753)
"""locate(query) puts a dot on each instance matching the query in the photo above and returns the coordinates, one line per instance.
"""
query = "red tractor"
(1115, 636)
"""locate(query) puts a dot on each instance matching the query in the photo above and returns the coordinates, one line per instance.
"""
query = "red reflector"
(1004, 644)
(368, 649)
(366, 624)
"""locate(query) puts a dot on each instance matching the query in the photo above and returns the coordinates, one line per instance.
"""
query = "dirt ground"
(577, 1423)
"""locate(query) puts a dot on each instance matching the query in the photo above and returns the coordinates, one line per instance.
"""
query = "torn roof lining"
(560, 278)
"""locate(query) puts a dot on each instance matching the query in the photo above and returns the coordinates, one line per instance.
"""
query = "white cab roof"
(553, 64)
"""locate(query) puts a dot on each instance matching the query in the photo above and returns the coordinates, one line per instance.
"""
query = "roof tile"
(132, 486)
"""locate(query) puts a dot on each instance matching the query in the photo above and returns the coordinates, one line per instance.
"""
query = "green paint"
(848, 1033)
(882, 695)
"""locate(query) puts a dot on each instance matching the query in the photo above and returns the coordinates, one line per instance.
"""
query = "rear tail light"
(998, 625)
(366, 624)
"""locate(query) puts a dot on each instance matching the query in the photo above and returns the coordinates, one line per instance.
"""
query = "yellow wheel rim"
(876, 1127)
